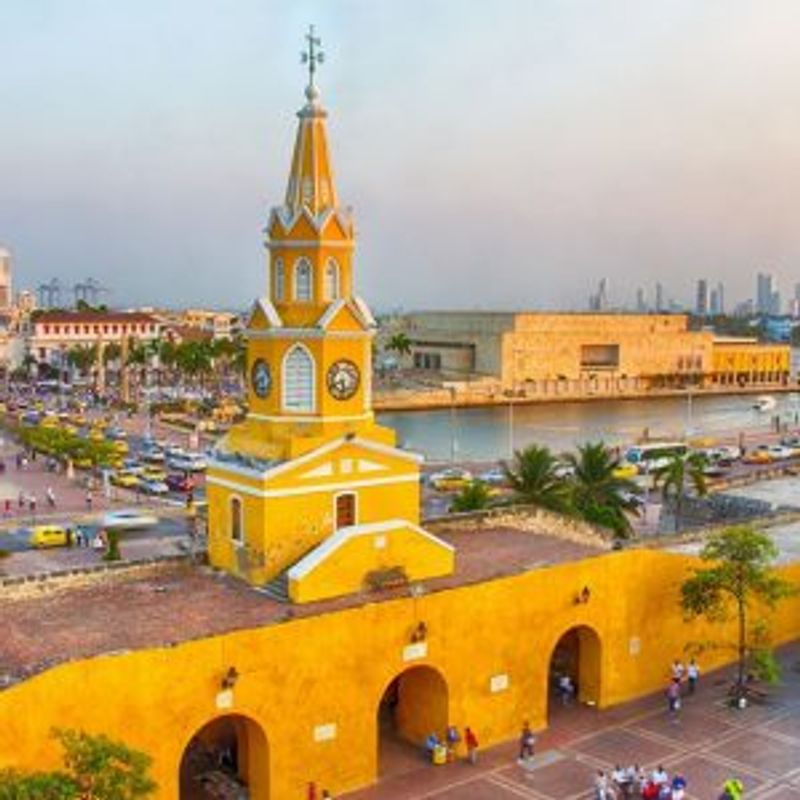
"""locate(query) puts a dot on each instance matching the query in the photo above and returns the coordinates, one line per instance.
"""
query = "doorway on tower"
(413, 705)
(345, 510)
(226, 758)
(573, 680)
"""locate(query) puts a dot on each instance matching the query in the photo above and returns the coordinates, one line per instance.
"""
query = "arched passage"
(414, 705)
(222, 758)
(577, 655)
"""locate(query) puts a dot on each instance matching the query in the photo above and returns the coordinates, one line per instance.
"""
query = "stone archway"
(228, 754)
(413, 705)
(576, 654)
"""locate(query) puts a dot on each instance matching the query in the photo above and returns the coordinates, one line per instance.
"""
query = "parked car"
(114, 432)
(129, 520)
(495, 476)
(179, 482)
(125, 479)
(151, 473)
(49, 536)
(779, 452)
(133, 466)
(760, 455)
(154, 455)
(450, 480)
(154, 487)
(188, 462)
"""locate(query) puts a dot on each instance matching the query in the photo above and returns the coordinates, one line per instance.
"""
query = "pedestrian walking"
(88, 499)
(674, 699)
(677, 670)
(21, 500)
(527, 742)
(732, 789)
(51, 497)
(452, 737)
(692, 675)
(471, 741)
(7, 507)
(602, 786)
(32, 505)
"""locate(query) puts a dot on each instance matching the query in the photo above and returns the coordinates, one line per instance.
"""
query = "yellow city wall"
(332, 669)
(344, 570)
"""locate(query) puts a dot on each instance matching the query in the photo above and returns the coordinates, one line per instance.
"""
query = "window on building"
(237, 526)
(345, 510)
(46, 329)
(332, 289)
(298, 380)
(56, 329)
(303, 281)
(86, 329)
(66, 329)
(279, 286)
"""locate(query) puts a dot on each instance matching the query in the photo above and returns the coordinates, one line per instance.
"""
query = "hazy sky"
(502, 154)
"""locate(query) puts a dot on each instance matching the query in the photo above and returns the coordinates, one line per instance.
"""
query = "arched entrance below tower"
(577, 657)
(414, 705)
(227, 757)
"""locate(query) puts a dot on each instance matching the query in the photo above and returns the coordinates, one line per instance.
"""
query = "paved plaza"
(708, 744)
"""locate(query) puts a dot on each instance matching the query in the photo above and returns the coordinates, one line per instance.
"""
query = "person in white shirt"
(692, 674)
(659, 776)
(677, 670)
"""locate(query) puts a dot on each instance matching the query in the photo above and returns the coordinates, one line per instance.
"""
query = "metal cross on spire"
(313, 56)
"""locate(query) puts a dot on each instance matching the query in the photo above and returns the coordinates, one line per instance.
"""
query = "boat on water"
(765, 402)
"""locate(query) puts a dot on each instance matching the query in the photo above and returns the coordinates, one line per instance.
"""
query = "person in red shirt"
(471, 742)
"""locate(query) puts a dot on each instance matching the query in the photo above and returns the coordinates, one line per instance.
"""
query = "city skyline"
(621, 142)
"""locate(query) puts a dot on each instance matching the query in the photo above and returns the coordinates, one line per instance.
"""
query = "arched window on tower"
(303, 280)
(332, 290)
(298, 380)
(279, 287)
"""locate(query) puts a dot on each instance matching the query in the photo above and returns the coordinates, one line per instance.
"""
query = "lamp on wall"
(420, 633)
(583, 596)
(229, 679)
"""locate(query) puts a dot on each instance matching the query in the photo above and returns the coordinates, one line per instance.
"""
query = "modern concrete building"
(6, 296)
(535, 353)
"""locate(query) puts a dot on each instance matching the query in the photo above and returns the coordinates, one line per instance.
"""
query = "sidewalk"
(708, 744)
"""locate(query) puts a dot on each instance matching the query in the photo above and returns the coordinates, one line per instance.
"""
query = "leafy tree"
(111, 352)
(472, 497)
(675, 477)
(598, 495)
(739, 576)
(98, 768)
(400, 344)
(82, 358)
(533, 475)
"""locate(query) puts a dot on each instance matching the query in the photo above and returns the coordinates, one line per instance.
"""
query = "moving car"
(153, 474)
(127, 480)
(495, 476)
(780, 452)
(626, 470)
(154, 455)
(129, 520)
(188, 462)
(153, 487)
(450, 480)
(49, 536)
(760, 455)
(116, 433)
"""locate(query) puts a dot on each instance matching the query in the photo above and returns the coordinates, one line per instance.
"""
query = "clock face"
(261, 378)
(343, 379)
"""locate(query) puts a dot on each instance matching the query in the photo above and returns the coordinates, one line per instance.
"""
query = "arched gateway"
(577, 655)
(227, 757)
(413, 705)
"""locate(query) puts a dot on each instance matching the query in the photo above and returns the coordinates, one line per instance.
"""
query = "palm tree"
(533, 476)
(598, 495)
(473, 497)
(677, 476)
(400, 344)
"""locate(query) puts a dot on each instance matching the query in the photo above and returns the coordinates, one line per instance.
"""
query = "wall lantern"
(229, 679)
(420, 633)
(583, 596)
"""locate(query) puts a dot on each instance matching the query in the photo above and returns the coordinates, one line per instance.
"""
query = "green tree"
(740, 576)
(533, 475)
(675, 477)
(97, 768)
(399, 343)
(82, 358)
(598, 495)
(472, 497)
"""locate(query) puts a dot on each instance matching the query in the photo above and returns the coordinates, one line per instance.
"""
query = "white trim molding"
(294, 491)
(289, 417)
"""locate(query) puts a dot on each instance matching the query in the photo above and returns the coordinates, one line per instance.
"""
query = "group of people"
(634, 781)
(683, 681)
(441, 751)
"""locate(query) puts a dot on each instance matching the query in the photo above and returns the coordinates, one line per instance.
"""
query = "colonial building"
(541, 353)
(50, 334)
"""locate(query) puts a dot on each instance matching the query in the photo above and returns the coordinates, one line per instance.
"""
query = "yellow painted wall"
(344, 570)
(334, 668)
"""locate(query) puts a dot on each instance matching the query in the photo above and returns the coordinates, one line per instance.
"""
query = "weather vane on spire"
(312, 56)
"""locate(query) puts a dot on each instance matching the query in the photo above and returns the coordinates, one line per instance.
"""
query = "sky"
(497, 155)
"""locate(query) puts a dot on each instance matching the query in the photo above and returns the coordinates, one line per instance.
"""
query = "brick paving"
(710, 743)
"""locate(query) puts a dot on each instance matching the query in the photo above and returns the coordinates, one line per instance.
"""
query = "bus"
(654, 455)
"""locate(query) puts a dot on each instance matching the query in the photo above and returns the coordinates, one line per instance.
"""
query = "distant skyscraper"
(641, 303)
(659, 297)
(764, 293)
(720, 298)
(797, 291)
(701, 300)
(713, 303)
(6, 297)
(599, 301)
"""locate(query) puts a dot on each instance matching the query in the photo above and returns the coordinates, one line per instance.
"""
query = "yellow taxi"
(48, 536)
(50, 421)
(154, 474)
(120, 447)
(79, 420)
(82, 463)
(625, 470)
(450, 480)
(125, 479)
(96, 435)
(760, 455)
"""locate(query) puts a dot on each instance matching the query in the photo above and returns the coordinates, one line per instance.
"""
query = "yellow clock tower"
(310, 463)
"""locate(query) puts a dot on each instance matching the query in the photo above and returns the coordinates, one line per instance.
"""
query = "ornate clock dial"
(343, 379)
(261, 378)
